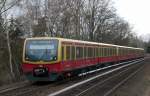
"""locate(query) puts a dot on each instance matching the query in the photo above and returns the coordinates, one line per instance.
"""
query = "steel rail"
(14, 87)
(122, 82)
(92, 78)
(104, 82)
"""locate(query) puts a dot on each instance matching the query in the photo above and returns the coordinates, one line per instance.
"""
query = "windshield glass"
(41, 50)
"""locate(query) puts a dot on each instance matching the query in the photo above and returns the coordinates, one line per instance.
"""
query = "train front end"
(41, 59)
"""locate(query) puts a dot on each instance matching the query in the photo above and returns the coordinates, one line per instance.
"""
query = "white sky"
(137, 13)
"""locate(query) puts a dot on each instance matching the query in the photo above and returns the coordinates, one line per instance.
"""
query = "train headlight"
(40, 65)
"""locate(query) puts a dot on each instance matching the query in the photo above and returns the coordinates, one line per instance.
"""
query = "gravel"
(138, 85)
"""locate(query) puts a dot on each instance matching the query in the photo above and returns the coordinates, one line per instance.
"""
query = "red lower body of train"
(51, 72)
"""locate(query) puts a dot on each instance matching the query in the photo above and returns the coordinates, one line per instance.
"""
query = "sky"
(137, 13)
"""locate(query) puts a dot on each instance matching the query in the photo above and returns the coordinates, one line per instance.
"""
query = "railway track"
(104, 83)
(14, 86)
(56, 87)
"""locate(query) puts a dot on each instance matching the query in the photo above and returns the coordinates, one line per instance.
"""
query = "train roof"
(81, 41)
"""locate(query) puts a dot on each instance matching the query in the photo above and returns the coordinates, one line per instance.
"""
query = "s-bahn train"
(50, 58)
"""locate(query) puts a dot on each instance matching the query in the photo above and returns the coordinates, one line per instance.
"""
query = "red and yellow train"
(49, 58)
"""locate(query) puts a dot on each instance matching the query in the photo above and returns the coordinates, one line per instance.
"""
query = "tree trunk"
(10, 55)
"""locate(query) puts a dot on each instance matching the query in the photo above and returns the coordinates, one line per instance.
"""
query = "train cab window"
(68, 52)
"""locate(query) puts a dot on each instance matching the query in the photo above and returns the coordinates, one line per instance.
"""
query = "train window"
(120, 52)
(85, 52)
(79, 52)
(111, 51)
(97, 52)
(102, 50)
(105, 51)
(62, 53)
(73, 53)
(126, 51)
(68, 57)
(108, 53)
(123, 51)
(93, 52)
(115, 51)
(89, 51)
